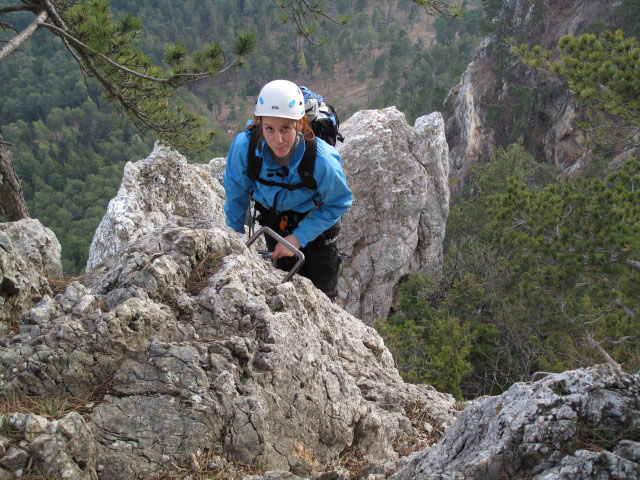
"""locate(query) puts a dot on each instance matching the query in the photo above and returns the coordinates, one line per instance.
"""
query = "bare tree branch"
(19, 39)
(15, 8)
(54, 14)
(616, 366)
(624, 308)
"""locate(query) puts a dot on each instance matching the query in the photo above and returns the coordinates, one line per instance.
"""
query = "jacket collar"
(296, 158)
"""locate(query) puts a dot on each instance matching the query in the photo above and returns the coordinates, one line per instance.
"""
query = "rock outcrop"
(29, 253)
(399, 178)
(581, 424)
(152, 190)
(185, 344)
(500, 100)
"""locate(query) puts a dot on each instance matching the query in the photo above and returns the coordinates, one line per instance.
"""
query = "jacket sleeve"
(237, 185)
(336, 196)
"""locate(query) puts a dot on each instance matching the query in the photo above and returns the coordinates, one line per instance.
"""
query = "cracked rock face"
(581, 424)
(64, 448)
(398, 175)
(28, 252)
(399, 178)
(186, 343)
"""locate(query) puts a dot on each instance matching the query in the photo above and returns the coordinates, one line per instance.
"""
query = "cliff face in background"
(500, 100)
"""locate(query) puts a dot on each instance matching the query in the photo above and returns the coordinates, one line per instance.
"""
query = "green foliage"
(628, 12)
(491, 9)
(604, 74)
(418, 79)
(530, 271)
(139, 88)
(428, 345)
(470, 212)
(574, 245)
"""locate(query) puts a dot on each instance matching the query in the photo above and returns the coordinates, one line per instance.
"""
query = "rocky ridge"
(581, 424)
(398, 175)
(186, 343)
(183, 349)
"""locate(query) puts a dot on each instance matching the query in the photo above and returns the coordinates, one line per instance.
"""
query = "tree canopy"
(107, 50)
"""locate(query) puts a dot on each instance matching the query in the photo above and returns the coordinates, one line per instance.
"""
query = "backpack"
(323, 117)
(324, 123)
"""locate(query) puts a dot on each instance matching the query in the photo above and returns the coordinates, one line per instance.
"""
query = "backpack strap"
(308, 165)
(254, 163)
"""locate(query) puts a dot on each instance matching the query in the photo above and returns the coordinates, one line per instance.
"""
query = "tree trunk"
(12, 205)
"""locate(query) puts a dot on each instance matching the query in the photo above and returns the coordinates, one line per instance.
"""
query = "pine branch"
(188, 77)
(19, 39)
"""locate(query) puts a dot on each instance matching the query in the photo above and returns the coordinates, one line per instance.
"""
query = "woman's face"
(280, 134)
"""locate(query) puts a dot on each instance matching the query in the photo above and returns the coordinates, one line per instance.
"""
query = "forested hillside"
(69, 146)
(541, 271)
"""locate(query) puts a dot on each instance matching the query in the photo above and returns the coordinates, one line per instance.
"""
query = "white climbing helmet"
(280, 98)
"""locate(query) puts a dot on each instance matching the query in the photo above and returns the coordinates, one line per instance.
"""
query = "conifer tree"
(106, 49)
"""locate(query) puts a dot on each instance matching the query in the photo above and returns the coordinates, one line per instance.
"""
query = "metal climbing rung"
(274, 235)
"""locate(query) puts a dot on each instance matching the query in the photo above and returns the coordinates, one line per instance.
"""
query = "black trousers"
(322, 260)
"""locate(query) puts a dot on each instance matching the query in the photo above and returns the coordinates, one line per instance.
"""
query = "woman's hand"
(282, 251)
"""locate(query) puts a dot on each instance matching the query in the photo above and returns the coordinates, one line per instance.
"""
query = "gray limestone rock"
(399, 178)
(398, 175)
(152, 190)
(192, 345)
(62, 448)
(36, 244)
(28, 253)
(570, 425)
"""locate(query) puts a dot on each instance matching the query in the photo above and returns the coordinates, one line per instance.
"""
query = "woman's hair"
(303, 125)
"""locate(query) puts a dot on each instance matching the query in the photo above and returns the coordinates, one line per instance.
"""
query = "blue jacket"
(332, 197)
